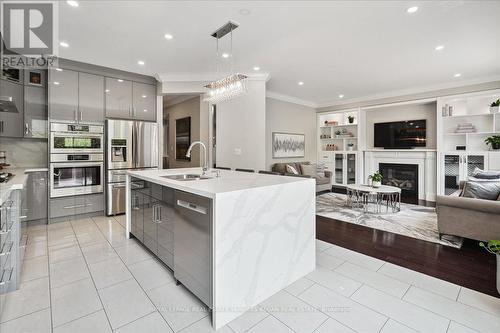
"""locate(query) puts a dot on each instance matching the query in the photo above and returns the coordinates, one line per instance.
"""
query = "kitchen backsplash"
(22, 153)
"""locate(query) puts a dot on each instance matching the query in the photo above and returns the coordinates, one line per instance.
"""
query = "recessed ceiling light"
(168, 36)
(72, 3)
(56, 83)
(144, 96)
(256, 68)
(140, 62)
(457, 75)
(107, 90)
(59, 69)
(439, 47)
(145, 110)
(412, 10)
(225, 55)
(64, 44)
(341, 96)
(120, 80)
(301, 83)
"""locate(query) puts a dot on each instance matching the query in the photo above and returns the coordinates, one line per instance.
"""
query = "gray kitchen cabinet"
(63, 95)
(90, 98)
(152, 219)
(75, 205)
(137, 218)
(150, 226)
(11, 123)
(118, 98)
(144, 101)
(36, 196)
(35, 112)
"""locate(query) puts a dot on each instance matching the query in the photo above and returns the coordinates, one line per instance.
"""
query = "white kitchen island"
(262, 234)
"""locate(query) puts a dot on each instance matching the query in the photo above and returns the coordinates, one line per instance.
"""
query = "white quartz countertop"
(228, 181)
(15, 183)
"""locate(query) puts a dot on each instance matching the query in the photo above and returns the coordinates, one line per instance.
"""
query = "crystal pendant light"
(230, 86)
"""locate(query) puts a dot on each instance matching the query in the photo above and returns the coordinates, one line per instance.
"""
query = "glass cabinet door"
(452, 164)
(473, 162)
(339, 169)
(351, 168)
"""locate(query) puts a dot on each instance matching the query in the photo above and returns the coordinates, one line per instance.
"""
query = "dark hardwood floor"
(469, 266)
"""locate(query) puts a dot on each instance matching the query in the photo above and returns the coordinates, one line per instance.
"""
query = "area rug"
(413, 221)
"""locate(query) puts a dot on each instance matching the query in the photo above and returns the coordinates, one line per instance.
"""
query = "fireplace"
(404, 176)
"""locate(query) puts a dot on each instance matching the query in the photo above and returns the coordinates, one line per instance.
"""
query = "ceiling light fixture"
(230, 86)
(439, 47)
(120, 80)
(72, 3)
(457, 75)
(140, 62)
(341, 96)
(412, 10)
(144, 96)
(56, 83)
(64, 44)
(256, 68)
(225, 55)
(107, 90)
(59, 69)
(168, 36)
(301, 83)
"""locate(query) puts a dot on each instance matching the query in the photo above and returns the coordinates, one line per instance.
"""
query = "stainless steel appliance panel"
(193, 244)
(68, 179)
(72, 138)
(120, 144)
(145, 144)
(116, 198)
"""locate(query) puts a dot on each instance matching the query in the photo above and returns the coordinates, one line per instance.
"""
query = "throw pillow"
(481, 174)
(481, 190)
(309, 169)
(291, 169)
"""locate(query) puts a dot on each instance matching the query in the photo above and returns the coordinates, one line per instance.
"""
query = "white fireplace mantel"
(425, 159)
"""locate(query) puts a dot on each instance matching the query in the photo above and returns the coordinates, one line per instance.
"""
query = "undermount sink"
(186, 177)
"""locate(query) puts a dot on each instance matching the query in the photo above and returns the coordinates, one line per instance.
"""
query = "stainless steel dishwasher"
(193, 244)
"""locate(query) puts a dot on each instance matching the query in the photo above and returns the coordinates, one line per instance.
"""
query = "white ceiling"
(354, 48)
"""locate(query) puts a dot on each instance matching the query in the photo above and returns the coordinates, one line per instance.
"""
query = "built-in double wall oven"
(76, 160)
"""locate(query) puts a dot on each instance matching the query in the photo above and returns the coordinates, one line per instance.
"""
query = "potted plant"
(376, 179)
(494, 141)
(493, 246)
(494, 106)
(337, 133)
(351, 119)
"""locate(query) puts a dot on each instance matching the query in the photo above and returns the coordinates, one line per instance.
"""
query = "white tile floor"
(85, 276)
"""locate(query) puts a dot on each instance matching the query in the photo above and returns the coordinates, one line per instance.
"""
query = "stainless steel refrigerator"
(130, 145)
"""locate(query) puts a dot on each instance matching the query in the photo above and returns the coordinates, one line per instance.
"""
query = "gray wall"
(403, 112)
(241, 129)
(290, 118)
(189, 108)
(25, 153)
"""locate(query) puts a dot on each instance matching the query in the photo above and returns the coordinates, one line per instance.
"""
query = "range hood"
(7, 104)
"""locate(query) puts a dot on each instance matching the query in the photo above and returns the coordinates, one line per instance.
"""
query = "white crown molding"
(206, 77)
(290, 99)
(411, 91)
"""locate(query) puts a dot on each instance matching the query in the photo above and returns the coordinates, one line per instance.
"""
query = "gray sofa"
(468, 217)
(323, 181)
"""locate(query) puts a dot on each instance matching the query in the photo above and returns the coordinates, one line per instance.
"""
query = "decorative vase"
(493, 109)
(350, 148)
(498, 273)
(495, 146)
(376, 184)
(351, 120)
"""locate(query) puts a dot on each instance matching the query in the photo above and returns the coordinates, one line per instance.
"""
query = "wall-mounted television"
(400, 134)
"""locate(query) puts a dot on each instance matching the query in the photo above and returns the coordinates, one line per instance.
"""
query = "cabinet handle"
(81, 116)
(1, 126)
(192, 206)
(26, 128)
(75, 116)
(158, 215)
(77, 206)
